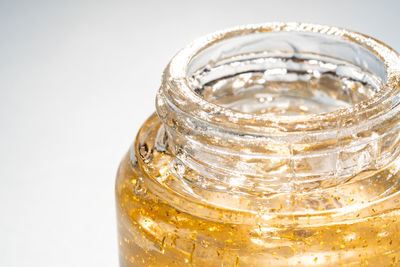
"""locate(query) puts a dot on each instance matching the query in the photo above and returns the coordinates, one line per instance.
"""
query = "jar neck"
(274, 108)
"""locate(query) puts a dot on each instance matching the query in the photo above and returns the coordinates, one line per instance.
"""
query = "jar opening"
(223, 75)
(286, 74)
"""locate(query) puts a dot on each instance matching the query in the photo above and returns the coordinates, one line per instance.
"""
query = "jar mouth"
(375, 64)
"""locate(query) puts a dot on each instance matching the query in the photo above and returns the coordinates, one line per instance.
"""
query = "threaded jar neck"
(280, 108)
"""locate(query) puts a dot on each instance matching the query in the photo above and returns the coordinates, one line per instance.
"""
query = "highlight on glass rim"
(272, 145)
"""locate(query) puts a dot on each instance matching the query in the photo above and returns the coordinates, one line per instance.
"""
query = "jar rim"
(176, 77)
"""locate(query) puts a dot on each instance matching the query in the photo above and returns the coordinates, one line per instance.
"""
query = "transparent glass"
(273, 145)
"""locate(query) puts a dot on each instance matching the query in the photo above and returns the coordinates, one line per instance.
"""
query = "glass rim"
(175, 79)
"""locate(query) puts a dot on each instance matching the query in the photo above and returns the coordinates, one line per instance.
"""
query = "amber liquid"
(152, 232)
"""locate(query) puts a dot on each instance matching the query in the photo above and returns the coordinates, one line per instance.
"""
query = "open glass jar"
(273, 145)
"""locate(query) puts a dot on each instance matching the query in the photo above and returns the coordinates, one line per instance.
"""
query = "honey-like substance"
(152, 232)
(278, 147)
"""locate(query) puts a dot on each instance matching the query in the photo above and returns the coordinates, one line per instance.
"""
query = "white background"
(77, 79)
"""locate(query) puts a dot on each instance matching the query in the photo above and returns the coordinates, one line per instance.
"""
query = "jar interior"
(286, 73)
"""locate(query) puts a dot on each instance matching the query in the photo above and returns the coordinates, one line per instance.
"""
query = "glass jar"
(273, 145)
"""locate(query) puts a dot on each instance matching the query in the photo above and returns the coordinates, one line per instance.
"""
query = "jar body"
(273, 145)
(153, 232)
